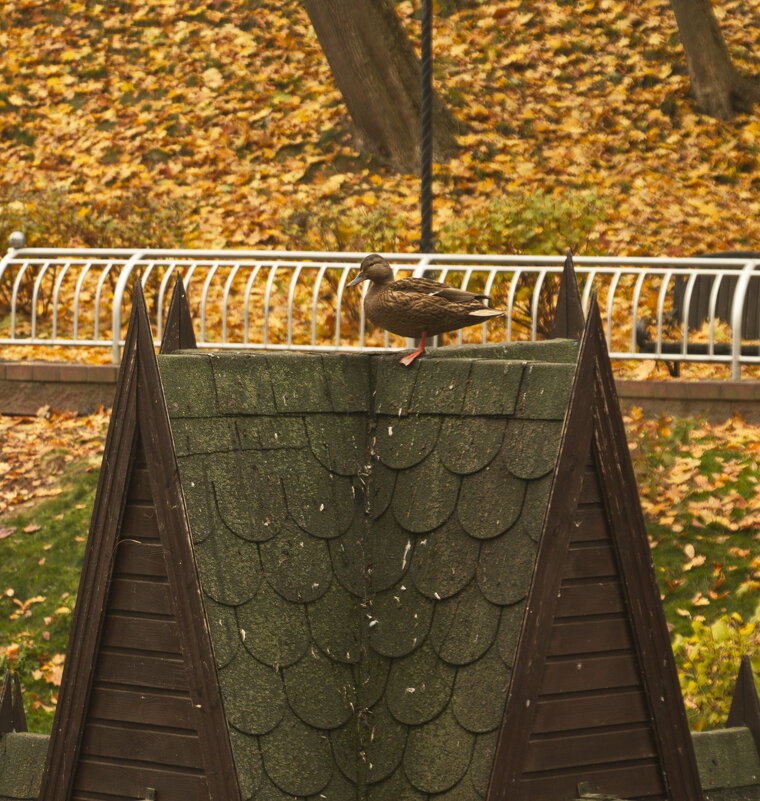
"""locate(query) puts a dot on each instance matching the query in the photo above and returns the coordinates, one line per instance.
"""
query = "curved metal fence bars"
(678, 310)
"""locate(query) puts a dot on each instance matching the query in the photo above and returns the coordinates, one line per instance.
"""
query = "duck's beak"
(359, 278)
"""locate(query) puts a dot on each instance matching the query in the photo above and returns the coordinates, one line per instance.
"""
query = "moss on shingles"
(544, 391)
(22, 759)
(188, 384)
(365, 540)
(552, 350)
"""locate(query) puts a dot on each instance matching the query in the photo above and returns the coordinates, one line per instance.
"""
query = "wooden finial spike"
(745, 706)
(178, 332)
(19, 716)
(12, 716)
(6, 705)
(569, 320)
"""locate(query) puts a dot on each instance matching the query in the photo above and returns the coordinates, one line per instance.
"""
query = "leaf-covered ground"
(226, 118)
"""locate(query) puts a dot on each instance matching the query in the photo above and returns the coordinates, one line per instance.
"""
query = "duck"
(417, 307)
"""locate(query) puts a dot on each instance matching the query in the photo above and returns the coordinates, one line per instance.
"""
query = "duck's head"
(373, 268)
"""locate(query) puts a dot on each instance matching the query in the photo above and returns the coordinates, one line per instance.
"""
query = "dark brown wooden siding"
(592, 722)
(140, 731)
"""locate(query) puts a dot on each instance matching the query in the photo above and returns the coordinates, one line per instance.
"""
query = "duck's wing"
(426, 286)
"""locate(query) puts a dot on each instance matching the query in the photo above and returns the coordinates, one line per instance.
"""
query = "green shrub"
(53, 218)
(708, 663)
(540, 223)
(516, 223)
(362, 229)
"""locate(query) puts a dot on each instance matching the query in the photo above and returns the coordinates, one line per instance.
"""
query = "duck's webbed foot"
(407, 360)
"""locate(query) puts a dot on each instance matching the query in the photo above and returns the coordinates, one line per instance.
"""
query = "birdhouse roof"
(328, 576)
(365, 537)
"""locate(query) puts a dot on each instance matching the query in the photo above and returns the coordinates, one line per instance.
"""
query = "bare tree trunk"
(378, 74)
(719, 89)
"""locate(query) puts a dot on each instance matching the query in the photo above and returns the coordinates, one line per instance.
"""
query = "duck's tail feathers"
(487, 313)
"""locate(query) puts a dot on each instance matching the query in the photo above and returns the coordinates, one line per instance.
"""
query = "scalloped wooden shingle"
(396, 787)
(334, 623)
(419, 686)
(259, 697)
(229, 567)
(480, 691)
(320, 502)
(400, 619)
(402, 442)
(425, 495)
(338, 442)
(464, 626)
(388, 552)
(383, 741)
(320, 690)
(297, 758)
(273, 630)
(490, 501)
(444, 560)
(297, 564)
(505, 566)
(248, 495)
(468, 444)
(438, 754)
(248, 760)
(225, 635)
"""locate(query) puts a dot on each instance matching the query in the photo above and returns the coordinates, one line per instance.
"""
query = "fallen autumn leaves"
(231, 113)
(35, 451)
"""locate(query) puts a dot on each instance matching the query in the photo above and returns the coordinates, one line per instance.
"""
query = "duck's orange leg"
(407, 360)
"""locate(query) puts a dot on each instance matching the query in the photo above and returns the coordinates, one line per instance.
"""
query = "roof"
(22, 756)
(364, 591)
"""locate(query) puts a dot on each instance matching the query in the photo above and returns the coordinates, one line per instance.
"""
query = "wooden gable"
(594, 698)
(139, 712)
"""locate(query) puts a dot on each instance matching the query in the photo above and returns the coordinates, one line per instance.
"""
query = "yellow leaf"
(213, 78)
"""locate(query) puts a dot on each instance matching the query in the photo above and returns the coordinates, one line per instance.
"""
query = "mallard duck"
(417, 307)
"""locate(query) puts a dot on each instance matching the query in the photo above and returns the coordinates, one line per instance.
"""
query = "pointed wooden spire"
(6, 705)
(593, 509)
(745, 706)
(139, 472)
(89, 613)
(569, 320)
(19, 716)
(178, 331)
(12, 716)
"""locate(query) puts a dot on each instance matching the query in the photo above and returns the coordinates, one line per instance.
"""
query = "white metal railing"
(268, 299)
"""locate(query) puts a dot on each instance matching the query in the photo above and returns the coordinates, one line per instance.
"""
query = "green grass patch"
(698, 485)
(39, 576)
(709, 589)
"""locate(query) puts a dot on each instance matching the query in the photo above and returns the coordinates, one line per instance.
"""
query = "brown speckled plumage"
(417, 307)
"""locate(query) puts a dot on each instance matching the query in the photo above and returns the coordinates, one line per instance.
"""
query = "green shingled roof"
(365, 536)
